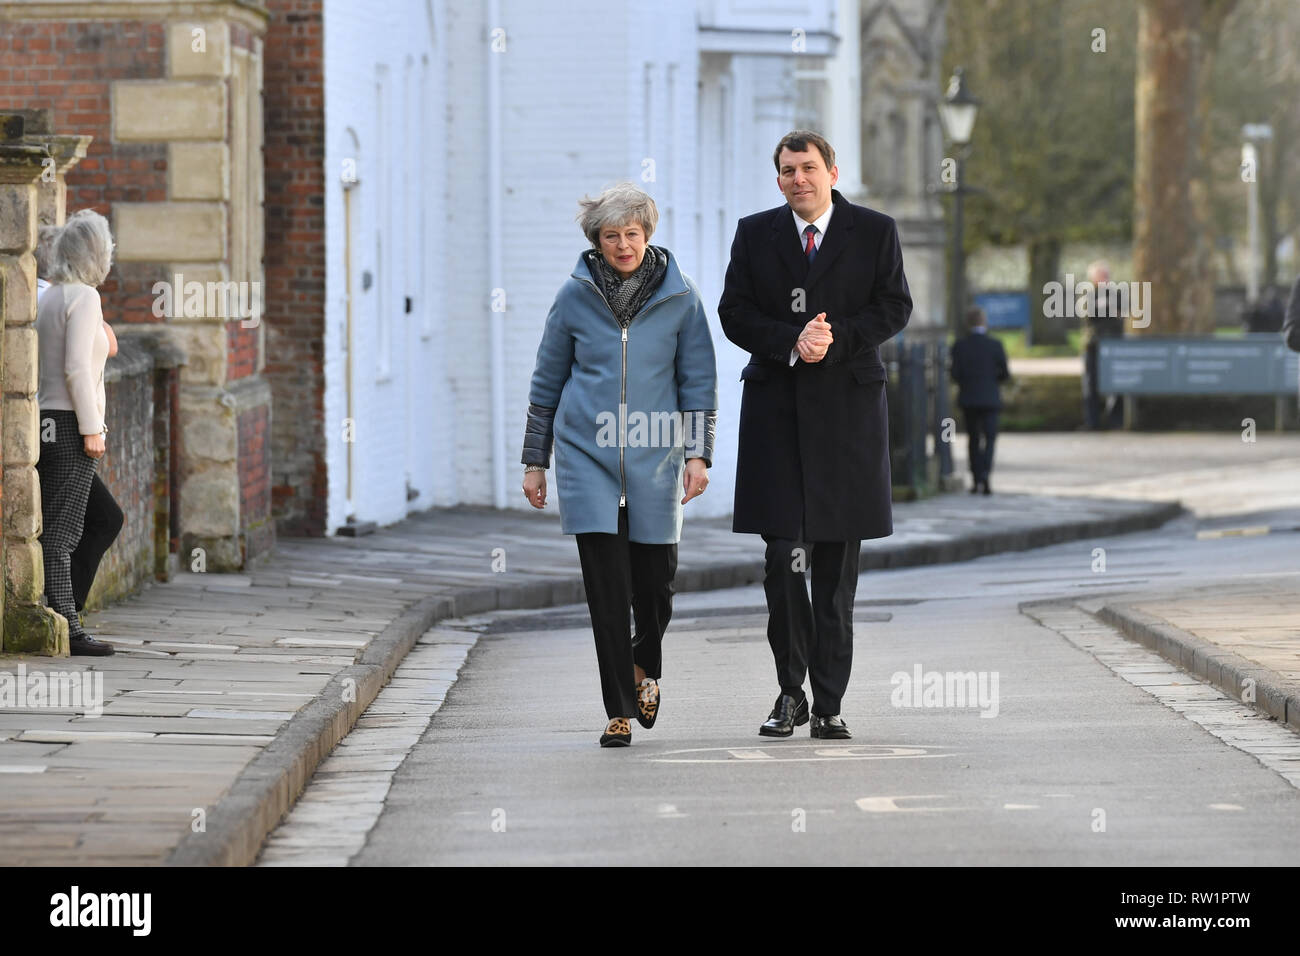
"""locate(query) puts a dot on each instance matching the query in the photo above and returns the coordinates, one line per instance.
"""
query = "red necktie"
(810, 250)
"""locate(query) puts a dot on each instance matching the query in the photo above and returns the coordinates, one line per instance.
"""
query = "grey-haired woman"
(625, 386)
(79, 517)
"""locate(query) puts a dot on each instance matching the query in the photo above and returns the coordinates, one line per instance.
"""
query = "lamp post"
(957, 115)
(957, 112)
(1253, 134)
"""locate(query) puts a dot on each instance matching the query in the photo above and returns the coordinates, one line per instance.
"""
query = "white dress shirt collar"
(820, 222)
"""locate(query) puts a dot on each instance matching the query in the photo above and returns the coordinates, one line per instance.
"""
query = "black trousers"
(618, 575)
(813, 639)
(1092, 398)
(79, 516)
(99, 529)
(982, 432)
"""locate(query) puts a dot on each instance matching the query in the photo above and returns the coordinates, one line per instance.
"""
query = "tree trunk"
(1270, 200)
(1213, 14)
(1172, 244)
(1044, 267)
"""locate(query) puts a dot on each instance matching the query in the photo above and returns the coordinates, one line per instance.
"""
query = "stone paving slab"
(228, 691)
(1243, 638)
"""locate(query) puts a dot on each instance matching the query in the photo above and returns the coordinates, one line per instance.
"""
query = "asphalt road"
(1074, 764)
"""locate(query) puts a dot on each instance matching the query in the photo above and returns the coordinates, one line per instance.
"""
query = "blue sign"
(1258, 364)
(1006, 310)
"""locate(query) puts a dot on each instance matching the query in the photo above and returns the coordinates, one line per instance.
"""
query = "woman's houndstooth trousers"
(79, 518)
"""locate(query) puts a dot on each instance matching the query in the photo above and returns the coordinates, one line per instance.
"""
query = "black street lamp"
(957, 112)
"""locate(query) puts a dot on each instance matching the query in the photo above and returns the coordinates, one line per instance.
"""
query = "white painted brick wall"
(399, 383)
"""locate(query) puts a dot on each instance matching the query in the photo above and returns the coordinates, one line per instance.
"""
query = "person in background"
(979, 366)
(79, 517)
(1101, 320)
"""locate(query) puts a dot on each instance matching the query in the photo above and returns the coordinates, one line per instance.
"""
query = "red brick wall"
(295, 261)
(241, 350)
(67, 67)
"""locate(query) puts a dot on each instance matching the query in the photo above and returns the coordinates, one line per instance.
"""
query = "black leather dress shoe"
(89, 647)
(785, 717)
(830, 728)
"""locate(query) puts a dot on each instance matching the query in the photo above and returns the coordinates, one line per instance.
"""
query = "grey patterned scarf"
(626, 296)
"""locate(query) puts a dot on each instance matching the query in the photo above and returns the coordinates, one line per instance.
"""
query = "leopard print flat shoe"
(647, 702)
(618, 733)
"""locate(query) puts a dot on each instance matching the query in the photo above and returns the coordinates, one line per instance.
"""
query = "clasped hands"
(815, 339)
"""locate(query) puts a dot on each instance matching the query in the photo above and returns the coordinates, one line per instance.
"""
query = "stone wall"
(127, 469)
(28, 626)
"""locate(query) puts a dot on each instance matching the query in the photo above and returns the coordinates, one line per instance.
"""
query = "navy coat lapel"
(833, 243)
(786, 241)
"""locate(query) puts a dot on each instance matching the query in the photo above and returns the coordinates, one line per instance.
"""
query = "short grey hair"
(619, 205)
(83, 249)
(45, 250)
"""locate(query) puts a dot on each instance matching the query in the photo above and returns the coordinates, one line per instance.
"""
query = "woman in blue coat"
(626, 389)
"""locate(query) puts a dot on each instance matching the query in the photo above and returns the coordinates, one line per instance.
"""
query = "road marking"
(890, 804)
(1019, 806)
(668, 811)
(794, 752)
(1226, 806)
(1233, 532)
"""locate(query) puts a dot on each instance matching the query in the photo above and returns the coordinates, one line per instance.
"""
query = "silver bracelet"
(528, 468)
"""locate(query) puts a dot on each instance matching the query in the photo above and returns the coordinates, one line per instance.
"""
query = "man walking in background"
(812, 473)
(1101, 320)
(979, 366)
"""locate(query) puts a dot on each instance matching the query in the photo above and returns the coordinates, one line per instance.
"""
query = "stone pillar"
(209, 231)
(29, 627)
(65, 152)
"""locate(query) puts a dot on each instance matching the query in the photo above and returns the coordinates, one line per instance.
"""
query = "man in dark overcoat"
(979, 367)
(813, 288)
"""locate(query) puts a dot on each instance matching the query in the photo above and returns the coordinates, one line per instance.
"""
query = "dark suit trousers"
(1092, 398)
(812, 638)
(982, 431)
(619, 574)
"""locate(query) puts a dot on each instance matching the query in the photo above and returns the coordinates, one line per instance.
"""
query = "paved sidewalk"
(1242, 638)
(1212, 473)
(1061, 365)
(229, 690)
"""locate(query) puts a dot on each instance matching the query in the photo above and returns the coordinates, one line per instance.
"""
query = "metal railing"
(918, 395)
